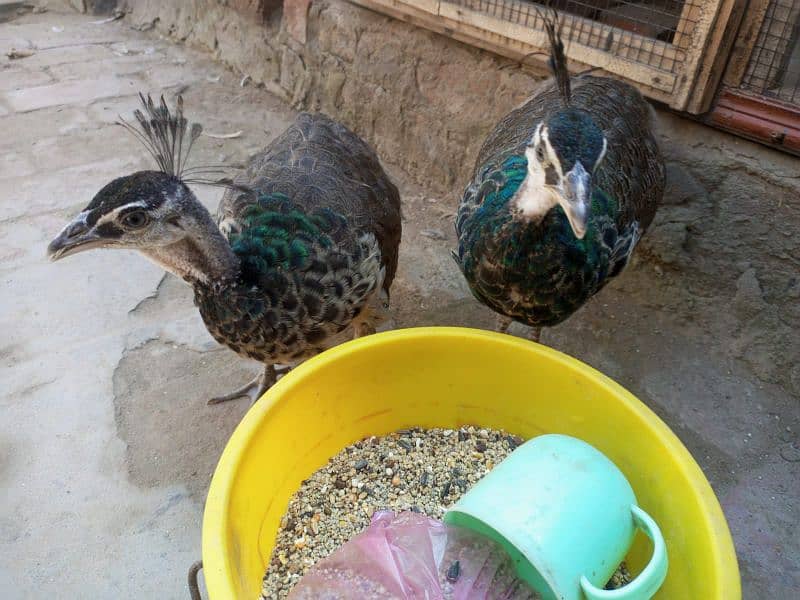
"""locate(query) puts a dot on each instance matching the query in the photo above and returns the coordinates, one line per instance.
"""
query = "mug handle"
(646, 584)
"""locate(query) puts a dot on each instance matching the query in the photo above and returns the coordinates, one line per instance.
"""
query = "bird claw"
(255, 389)
(363, 329)
(503, 323)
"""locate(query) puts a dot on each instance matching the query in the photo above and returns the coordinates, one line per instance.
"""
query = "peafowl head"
(565, 150)
(154, 212)
(563, 154)
(139, 211)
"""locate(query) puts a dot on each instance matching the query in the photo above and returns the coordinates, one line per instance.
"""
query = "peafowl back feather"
(315, 224)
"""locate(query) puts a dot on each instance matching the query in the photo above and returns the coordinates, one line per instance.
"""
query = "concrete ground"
(106, 444)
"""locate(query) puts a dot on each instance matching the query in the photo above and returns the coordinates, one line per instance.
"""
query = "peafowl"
(562, 190)
(302, 254)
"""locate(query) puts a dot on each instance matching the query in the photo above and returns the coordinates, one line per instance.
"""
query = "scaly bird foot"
(363, 329)
(256, 388)
(503, 323)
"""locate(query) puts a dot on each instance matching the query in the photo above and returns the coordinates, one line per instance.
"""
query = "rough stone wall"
(726, 243)
(425, 101)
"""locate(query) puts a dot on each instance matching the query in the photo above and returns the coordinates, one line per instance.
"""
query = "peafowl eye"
(135, 220)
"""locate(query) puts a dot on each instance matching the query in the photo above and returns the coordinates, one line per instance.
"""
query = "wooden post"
(745, 42)
(295, 12)
(720, 40)
(690, 17)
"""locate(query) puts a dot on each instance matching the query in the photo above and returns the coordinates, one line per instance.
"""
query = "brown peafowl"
(562, 190)
(302, 254)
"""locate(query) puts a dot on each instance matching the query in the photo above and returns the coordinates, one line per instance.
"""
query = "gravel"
(412, 469)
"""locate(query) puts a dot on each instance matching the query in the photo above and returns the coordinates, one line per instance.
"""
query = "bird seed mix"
(422, 470)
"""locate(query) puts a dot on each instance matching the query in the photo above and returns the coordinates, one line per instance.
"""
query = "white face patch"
(535, 197)
(550, 155)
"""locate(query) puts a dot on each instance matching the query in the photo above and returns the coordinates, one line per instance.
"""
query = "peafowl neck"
(203, 256)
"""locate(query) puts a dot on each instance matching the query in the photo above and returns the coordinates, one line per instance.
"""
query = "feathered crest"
(558, 59)
(164, 134)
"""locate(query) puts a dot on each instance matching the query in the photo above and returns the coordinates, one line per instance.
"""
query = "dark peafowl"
(303, 252)
(562, 190)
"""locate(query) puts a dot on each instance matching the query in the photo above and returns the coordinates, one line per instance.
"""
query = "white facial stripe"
(112, 216)
(602, 154)
(551, 154)
(537, 136)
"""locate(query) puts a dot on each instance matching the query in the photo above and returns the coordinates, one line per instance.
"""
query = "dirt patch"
(172, 436)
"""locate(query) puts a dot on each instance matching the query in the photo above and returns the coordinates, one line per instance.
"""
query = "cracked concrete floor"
(106, 444)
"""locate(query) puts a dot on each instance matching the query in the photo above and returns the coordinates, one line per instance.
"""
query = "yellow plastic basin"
(447, 377)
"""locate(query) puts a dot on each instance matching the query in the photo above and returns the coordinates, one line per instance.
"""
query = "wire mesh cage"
(734, 64)
(774, 67)
(673, 51)
(624, 28)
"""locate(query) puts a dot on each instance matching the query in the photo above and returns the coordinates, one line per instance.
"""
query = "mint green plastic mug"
(567, 517)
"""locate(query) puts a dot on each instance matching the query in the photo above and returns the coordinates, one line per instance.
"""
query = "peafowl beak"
(76, 237)
(577, 198)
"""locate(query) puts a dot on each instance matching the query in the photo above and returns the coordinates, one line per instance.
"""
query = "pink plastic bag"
(411, 557)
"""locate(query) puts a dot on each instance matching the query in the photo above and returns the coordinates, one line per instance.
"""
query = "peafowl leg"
(536, 334)
(363, 329)
(255, 388)
(503, 323)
